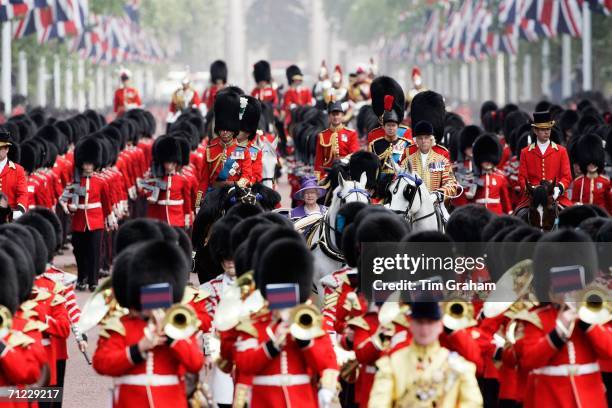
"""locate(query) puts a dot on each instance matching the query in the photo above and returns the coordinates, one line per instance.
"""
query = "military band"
(281, 316)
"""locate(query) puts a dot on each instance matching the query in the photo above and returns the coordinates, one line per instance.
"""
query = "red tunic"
(493, 194)
(222, 162)
(535, 167)
(256, 163)
(209, 95)
(543, 352)
(334, 144)
(126, 98)
(297, 96)
(592, 190)
(13, 183)
(94, 204)
(134, 376)
(172, 202)
(266, 94)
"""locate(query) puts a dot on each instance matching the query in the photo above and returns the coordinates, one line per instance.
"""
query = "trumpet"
(306, 322)
(180, 322)
(6, 320)
(458, 314)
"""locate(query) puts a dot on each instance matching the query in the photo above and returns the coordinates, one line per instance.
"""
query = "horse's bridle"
(354, 190)
(417, 184)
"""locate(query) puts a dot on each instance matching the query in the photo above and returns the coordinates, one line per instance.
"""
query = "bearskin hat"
(429, 106)
(498, 223)
(262, 71)
(547, 255)
(486, 107)
(466, 223)
(367, 162)
(244, 210)
(88, 150)
(241, 231)
(220, 241)
(490, 122)
(250, 114)
(184, 147)
(381, 227)
(44, 227)
(542, 106)
(17, 245)
(52, 134)
(514, 120)
(589, 149)
(277, 219)
(8, 283)
(259, 241)
(568, 119)
(387, 95)
(571, 217)
(166, 150)
(591, 226)
(65, 127)
(467, 137)
(291, 72)
(121, 272)
(453, 120)
(272, 266)
(135, 231)
(227, 112)
(54, 221)
(218, 71)
(487, 149)
(345, 217)
(156, 262)
(29, 156)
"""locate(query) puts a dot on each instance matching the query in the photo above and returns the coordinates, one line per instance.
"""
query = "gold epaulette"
(193, 294)
(19, 339)
(345, 278)
(402, 320)
(59, 287)
(527, 316)
(41, 295)
(112, 324)
(331, 299)
(35, 325)
(247, 327)
(58, 300)
(351, 303)
(360, 322)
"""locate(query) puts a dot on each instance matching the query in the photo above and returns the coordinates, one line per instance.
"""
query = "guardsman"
(183, 98)
(218, 81)
(168, 193)
(265, 91)
(249, 124)
(290, 366)
(387, 96)
(126, 97)
(336, 142)
(225, 161)
(433, 168)
(390, 149)
(593, 186)
(562, 345)
(137, 349)
(297, 94)
(491, 185)
(319, 89)
(463, 167)
(425, 373)
(89, 200)
(544, 160)
(13, 181)
(417, 84)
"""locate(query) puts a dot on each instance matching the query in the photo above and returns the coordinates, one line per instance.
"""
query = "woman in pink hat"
(309, 192)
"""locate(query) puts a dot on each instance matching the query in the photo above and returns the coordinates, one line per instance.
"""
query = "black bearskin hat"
(44, 227)
(250, 114)
(571, 217)
(54, 221)
(429, 106)
(88, 150)
(387, 95)
(487, 149)
(589, 149)
(218, 71)
(293, 72)
(52, 135)
(498, 223)
(466, 223)
(8, 283)
(16, 243)
(568, 119)
(367, 162)
(227, 111)
(166, 150)
(220, 241)
(381, 227)
(467, 137)
(29, 156)
(262, 71)
(135, 231)
(486, 107)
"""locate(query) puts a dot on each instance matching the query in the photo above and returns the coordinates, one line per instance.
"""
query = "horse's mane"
(540, 195)
(366, 120)
(331, 180)
(268, 199)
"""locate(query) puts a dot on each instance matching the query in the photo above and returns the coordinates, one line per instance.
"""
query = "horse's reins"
(417, 181)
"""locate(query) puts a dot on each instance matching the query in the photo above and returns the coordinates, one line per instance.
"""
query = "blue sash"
(227, 166)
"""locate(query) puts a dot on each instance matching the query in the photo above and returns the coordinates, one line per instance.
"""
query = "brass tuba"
(6, 320)
(306, 322)
(458, 314)
(594, 307)
(180, 322)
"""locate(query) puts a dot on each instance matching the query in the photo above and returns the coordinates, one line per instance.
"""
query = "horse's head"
(349, 191)
(403, 194)
(237, 194)
(542, 207)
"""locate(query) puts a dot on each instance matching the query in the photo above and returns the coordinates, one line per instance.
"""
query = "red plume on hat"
(388, 102)
(416, 71)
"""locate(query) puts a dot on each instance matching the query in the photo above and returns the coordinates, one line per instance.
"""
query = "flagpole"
(546, 68)
(69, 101)
(42, 82)
(23, 73)
(500, 80)
(566, 66)
(527, 78)
(587, 51)
(6, 66)
(57, 82)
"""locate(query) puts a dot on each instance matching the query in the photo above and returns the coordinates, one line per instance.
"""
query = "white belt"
(89, 206)
(147, 379)
(488, 200)
(280, 380)
(170, 202)
(46, 342)
(566, 370)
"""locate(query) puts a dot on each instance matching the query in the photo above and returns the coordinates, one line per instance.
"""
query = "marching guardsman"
(433, 168)
(336, 142)
(417, 84)
(218, 81)
(13, 181)
(88, 199)
(544, 160)
(249, 123)
(491, 185)
(126, 97)
(593, 186)
(390, 148)
(225, 161)
(168, 193)
(297, 94)
(562, 345)
(138, 349)
(290, 365)
(183, 98)
(265, 91)
(425, 373)
(463, 167)
(387, 96)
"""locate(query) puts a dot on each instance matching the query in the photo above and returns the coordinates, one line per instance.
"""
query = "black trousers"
(87, 253)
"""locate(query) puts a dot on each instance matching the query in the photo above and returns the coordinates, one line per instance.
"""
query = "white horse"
(321, 238)
(410, 198)
(269, 160)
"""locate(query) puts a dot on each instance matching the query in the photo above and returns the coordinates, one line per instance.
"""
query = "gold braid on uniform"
(334, 150)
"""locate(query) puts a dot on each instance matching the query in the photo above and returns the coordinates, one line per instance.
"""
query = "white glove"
(325, 398)
(17, 214)
(556, 192)
(434, 196)
(186, 220)
(132, 193)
